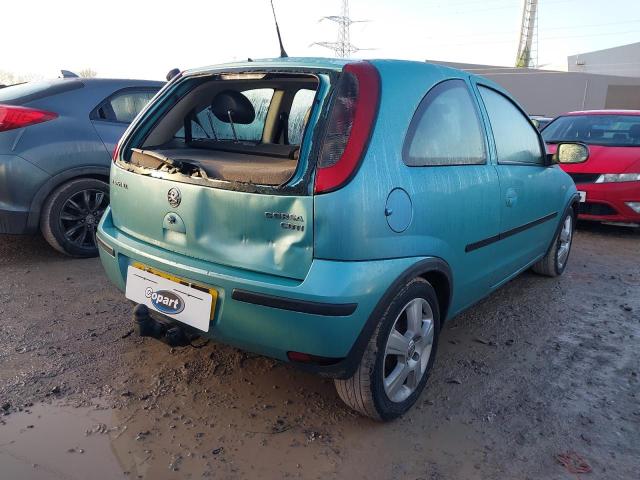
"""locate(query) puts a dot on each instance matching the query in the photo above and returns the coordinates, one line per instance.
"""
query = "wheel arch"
(96, 172)
(572, 204)
(435, 270)
(441, 283)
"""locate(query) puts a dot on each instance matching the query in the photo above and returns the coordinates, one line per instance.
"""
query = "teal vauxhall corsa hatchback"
(332, 214)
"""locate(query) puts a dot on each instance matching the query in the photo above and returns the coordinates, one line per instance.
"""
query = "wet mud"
(540, 369)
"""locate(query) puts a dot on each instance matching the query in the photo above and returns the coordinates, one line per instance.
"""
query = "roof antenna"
(283, 54)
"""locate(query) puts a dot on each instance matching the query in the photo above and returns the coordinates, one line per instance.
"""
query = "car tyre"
(70, 216)
(556, 259)
(410, 322)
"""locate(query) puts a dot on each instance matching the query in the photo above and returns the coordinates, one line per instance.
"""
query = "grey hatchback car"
(56, 140)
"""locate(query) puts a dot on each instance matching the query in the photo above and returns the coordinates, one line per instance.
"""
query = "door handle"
(511, 197)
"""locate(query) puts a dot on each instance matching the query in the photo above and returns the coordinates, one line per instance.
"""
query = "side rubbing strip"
(314, 308)
(488, 241)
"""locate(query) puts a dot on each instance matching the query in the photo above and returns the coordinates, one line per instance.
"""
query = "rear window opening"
(244, 128)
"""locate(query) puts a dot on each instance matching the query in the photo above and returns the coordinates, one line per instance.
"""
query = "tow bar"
(147, 326)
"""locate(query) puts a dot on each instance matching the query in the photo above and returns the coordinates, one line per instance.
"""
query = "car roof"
(335, 64)
(323, 63)
(603, 112)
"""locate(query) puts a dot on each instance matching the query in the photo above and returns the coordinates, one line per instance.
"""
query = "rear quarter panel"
(350, 223)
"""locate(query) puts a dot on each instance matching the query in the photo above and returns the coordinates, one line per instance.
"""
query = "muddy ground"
(541, 368)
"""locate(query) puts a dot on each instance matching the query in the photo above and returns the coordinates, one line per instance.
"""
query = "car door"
(457, 197)
(112, 116)
(528, 187)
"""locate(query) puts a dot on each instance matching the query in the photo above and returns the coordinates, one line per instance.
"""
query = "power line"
(343, 47)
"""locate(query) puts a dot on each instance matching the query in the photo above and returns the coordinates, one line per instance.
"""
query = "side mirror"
(570, 153)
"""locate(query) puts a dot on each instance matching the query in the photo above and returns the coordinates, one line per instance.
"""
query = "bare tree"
(10, 78)
(88, 73)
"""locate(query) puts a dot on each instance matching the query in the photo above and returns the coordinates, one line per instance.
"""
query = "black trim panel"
(303, 306)
(488, 241)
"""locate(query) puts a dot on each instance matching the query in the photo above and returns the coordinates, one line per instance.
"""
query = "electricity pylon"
(343, 48)
(527, 47)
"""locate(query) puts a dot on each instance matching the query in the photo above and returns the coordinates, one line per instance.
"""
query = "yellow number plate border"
(211, 291)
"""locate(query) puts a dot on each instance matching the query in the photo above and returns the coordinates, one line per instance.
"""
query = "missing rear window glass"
(243, 128)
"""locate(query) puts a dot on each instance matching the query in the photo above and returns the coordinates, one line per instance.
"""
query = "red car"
(609, 181)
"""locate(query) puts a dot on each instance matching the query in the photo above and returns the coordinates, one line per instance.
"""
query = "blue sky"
(146, 38)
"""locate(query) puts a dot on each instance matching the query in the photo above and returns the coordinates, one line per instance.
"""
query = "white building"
(622, 61)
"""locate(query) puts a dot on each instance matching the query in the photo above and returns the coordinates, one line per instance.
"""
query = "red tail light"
(349, 126)
(116, 151)
(12, 117)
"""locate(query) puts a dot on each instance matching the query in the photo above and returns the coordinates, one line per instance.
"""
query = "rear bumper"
(607, 202)
(323, 315)
(13, 222)
(19, 182)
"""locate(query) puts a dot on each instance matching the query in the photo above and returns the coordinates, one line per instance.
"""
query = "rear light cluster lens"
(12, 117)
(116, 152)
(349, 126)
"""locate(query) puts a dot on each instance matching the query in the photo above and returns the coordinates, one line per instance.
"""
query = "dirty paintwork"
(350, 250)
(221, 226)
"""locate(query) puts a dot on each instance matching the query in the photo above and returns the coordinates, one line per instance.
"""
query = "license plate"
(171, 296)
(583, 196)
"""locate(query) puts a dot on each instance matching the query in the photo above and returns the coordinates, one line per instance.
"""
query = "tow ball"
(147, 326)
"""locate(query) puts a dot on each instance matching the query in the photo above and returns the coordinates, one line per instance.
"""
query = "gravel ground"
(542, 368)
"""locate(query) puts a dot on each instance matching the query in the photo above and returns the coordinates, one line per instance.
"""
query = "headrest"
(634, 131)
(241, 108)
(596, 133)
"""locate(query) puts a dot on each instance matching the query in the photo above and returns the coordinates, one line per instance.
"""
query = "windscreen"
(28, 92)
(607, 130)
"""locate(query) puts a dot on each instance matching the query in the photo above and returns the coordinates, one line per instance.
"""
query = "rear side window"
(446, 129)
(299, 114)
(124, 105)
(127, 106)
(28, 92)
(206, 125)
(516, 139)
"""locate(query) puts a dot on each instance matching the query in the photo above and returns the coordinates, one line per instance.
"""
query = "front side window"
(446, 129)
(206, 125)
(608, 130)
(516, 139)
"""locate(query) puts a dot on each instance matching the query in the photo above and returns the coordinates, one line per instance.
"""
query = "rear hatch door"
(253, 227)
(261, 232)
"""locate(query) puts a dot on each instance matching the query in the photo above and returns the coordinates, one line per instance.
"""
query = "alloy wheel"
(408, 350)
(565, 238)
(80, 215)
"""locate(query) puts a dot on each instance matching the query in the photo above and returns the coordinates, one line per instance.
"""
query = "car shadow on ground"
(32, 248)
(607, 229)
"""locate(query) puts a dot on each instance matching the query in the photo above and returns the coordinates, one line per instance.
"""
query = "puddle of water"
(57, 442)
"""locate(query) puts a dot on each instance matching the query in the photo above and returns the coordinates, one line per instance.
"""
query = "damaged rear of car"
(317, 211)
(230, 148)
(213, 188)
